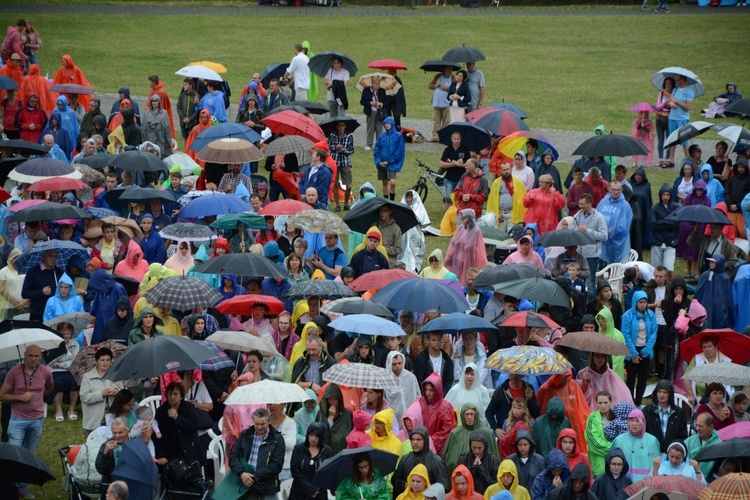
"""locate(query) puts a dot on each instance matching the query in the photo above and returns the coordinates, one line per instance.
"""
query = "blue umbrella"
(455, 323)
(65, 250)
(222, 131)
(366, 324)
(510, 107)
(473, 137)
(213, 204)
(420, 295)
(100, 212)
(275, 70)
(7, 83)
(137, 468)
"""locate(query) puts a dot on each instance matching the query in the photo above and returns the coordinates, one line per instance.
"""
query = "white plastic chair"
(683, 403)
(633, 256)
(285, 489)
(615, 274)
(152, 402)
(215, 453)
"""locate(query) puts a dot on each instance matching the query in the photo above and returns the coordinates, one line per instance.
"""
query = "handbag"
(180, 472)
(382, 114)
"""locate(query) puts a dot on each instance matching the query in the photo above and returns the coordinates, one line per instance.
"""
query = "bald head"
(311, 196)
(32, 356)
(49, 141)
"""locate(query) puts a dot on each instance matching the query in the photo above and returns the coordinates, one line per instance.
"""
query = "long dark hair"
(357, 474)
(122, 398)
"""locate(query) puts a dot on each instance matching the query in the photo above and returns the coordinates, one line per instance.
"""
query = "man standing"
(258, 457)
(391, 234)
(619, 216)
(663, 233)
(658, 290)
(308, 370)
(300, 72)
(588, 219)
(186, 111)
(452, 164)
(369, 258)
(31, 119)
(213, 101)
(318, 175)
(440, 85)
(420, 454)
(13, 43)
(506, 198)
(336, 80)
(53, 149)
(274, 97)
(664, 419)
(231, 180)
(341, 145)
(329, 258)
(598, 183)
(41, 283)
(24, 388)
(476, 86)
(679, 114)
(434, 359)
(705, 436)
(157, 88)
(576, 189)
(373, 100)
(471, 191)
(311, 198)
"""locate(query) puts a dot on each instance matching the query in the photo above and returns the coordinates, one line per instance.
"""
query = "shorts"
(385, 175)
(344, 174)
(675, 124)
(449, 187)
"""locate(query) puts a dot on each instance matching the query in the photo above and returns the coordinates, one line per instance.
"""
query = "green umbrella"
(230, 221)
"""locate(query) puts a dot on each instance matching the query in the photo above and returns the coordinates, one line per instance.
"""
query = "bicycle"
(431, 176)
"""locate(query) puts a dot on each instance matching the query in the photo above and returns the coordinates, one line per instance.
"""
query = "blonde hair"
(511, 420)
(546, 178)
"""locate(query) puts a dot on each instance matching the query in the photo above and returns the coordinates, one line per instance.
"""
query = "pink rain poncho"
(466, 248)
(643, 131)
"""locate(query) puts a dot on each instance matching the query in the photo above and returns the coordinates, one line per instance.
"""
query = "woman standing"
(97, 392)
(690, 252)
(11, 283)
(597, 377)
(250, 115)
(642, 130)
(365, 483)
(639, 329)
(543, 204)
(597, 441)
(305, 462)
(10, 106)
(152, 243)
(64, 381)
(459, 97)
(156, 127)
(178, 423)
(662, 120)
(182, 261)
(283, 336)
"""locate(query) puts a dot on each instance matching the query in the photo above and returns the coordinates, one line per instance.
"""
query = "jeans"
(25, 433)
(449, 187)
(591, 282)
(662, 132)
(663, 256)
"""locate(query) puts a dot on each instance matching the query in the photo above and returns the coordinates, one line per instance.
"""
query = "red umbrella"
(388, 64)
(284, 207)
(529, 319)
(375, 280)
(293, 123)
(58, 184)
(730, 343)
(677, 484)
(243, 304)
(500, 122)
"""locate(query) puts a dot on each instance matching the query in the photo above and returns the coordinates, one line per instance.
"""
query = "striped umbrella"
(361, 375)
(734, 486)
(219, 361)
(182, 293)
(677, 484)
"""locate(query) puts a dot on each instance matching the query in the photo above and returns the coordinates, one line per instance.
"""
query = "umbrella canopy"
(136, 467)
(528, 319)
(89, 175)
(243, 305)
(335, 469)
(275, 70)
(23, 205)
(220, 359)
(507, 272)
(182, 293)
(735, 447)
(65, 250)
(566, 238)
(249, 219)
(79, 320)
(312, 107)
(158, 355)
(361, 375)
(642, 107)
(7, 83)
(692, 79)
(516, 142)
(387, 83)
(741, 107)
(41, 168)
(144, 195)
(319, 221)
(687, 132)
(241, 264)
(321, 63)
(127, 226)
(356, 305)
(289, 107)
(289, 144)
(218, 67)
(464, 54)
(99, 160)
(737, 134)
(700, 214)
(18, 335)
(733, 486)
(528, 360)
(57, 184)
(199, 71)
(25, 148)
(438, 65)
(213, 204)
(493, 236)
(85, 359)
(594, 342)
(139, 161)
(538, 289)
(728, 342)
(678, 484)
(184, 161)
(50, 211)
(611, 145)
(388, 65)
(510, 107)
(101, 213)
(738, 430)
(723, 373)
(22, 465)
(267, 392)
(323, 289)
(187, 231)
(71, 88)
(329, 125)
(366, 324)
(375, 280)
(225, 130)
(457, 323)
(367, 214)
(293, 123)
(242, 341)
(473, 137)
(420, 295)
(284, 207)
(230, 150)
(497, 121)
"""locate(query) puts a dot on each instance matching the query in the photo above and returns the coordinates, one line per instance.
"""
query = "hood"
(481, 436)
(582, 471)
(685, 162)
(422, 431)
(464, 408)
(696, 310)
(524, 434)
(64, 100)
(568, 433)
(462, 470)
(241, 192)
(533, 226)
(124, 303)
(666, 385)
(639, 171)
(587, 319)
(699, 184)
(57, 116)
(720, 269)
(419, 470)
(622, 409)
(665, 188)
(271, 251)
(333, 390)
(570, 221)
(469, 215)
(147, 310)
(390, 120)
(134, 253)
(709, 169)
(437, 383)
(523, 154)
(125, 91)
(365, 188)
(201, 254)
(437, 253)
(616, 452)
(737, 393)
(565, 284)
(101, 282)
(547, 152)
(128, 116)
(436, 491)
(477, 384)
(555, 406)
(556, 459)
(508, 466)
(389, 360)
(125, 104)
(639, 295)
(413, 413)
(361, 420)
(387, 417)
(316, 428)
(637, 413)
(608, 318)
(679, 282)
(75, 261)
(221, 243)
(101, 121)
(65, 280)
(602, 128)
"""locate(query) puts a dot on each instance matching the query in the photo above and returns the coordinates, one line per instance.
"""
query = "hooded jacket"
(438, 415)
(714, 188)
(500, 404)
(304, 466)
(459, 441)
(640, 449)
(542, 207)
(576, 457)
(153, 245)
(477, 189)
(738, 186)
(663, 231)
(61, 134)
(130, 128)
(618, 362)
(714, 292)
(606, 486)
(546, 429)
(409, 494)
(57, 306)
(27, 116)
(133, 265)
(390, 148)
(118, 328)
(676, 424)
(359, 436)
(137, 334)
(518, 491)
(485, 473)
(440, 272)
(436, 470)
(597, 442)
(619, 217)
(68, 119)
(630, 325)
(565, 492)
(534, 464)
(471, 494)
(106, 292)
(402, 398)
(543, 485)
(389, 442)
(335, 435)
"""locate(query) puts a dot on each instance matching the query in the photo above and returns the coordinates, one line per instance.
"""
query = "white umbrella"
(723, 373)
(737, 134)
(267, 392)
(14, 343)
(187, 164)
(200, 72)
(25, 178)
(687, 132)
(693, 81)
(242, 341)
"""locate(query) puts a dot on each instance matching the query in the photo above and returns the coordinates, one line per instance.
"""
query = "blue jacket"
(715, 188)
(153, 245)
(61, 135)
(714, 292)
(321, 181)
(107, 292)
(116, 105)
(57, 306)
(68, 121)
(630, 321)
(741, 295)
(35, 281)
(390, 147)
(619, 217)
(538, 249)
(542, 485)
(678, 180)
(238, 289)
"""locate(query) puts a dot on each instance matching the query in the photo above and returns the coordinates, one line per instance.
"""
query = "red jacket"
(476, 188)
(600, 190)
(543, 208)
(26, 117)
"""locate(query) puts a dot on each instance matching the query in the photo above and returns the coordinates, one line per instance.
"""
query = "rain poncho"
(73, 74)
(685, 251)
(133, 265)
(376, 490)
(366, 192)
(312, 92)
(390, 147)
(618, 362)
(106, 293)
(542, 206)
(543, 485)
(408, 494)
(413, 240)
(597, 442)
(119, 328)
(546, 429)
(607, 381)
(402, 398)
(642, 196)
(152, 245)
(518, 491)
(359, 436)
(477, 395)
(471, 494)
(582, 472)
(619, 217)
(714, 187)
(609, 487)
(694, 444)
(414, 414)
(389, 442)
(714, 292)
(533, 465)
(630, 324)
(60, 133)
(155, 127)
(304, 417)
(513, 189)
(36, 83)
(438, 415)
(137, 334)
(237, 289)
(57, 306)
(202, 256)
(179, 264)
(335, 435)
(439, 273)
(576, 409)
(204, 122)
(459, 440)
(466, 249)
(642, 131)
(68, 119)
(576, 457)
(640, 450)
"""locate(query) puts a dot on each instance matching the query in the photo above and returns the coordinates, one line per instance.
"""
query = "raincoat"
(630, 322)
(335, 435)
(133, 265)
(714, 292)
(60, 133)
(516, 190)
(565, 492)
(376, 490)
(118, 134)
(413, 245)
(236, 290)
(543, 485)
(543, 205)
(608, 381)
(618, 362)
(68, 119)
(531, 467)
(414, 414)
(106, 293)
(685, 251)
(202, 256)
(714, 187)
(576, 457)
(152, 245)
(546, 429)
(155, 128)
(606, 485)
(389, 442)
(119, 328)
(694, 445)
(642, 196)
(204, 122)
(304, 417)
(57, 306)
(438, 415)
(611, 161)
(166, 104)
(408, 494)
(35, 83)
(359, 436)
(640, 450)
(460, 395)
(366, 191)
(485, 472)
(466, 248)
(390, 147)
(137, 334)
(179, 264)
(576, 408)
(619, 217)
(597, 442)
(402, 398)
(459, 439)
(518, 491)
(73, 74)
(642, 131)
(454, 494)
(439, 273)
(312, 92)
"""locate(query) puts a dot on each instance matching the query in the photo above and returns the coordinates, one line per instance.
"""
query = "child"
(578, 283)
(567, 442)
(262, 190)
(146, 419)
(519, 411)
(642, 130)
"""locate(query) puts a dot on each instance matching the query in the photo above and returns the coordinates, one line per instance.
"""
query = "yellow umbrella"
(219, 68)
(515, 142)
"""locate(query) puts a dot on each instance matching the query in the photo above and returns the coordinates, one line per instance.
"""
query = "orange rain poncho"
(576, 409)
(72, 74)
(35, 82)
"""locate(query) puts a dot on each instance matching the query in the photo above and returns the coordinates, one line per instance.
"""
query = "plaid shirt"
(253, 458)
(230, 182)
(664, 419)
(341, 157)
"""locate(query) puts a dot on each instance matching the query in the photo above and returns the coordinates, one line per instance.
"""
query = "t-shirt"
(475, 82)
(19, 381)
(450, 154)
(683, 95)
(437, 363)
(331, 258)
(298, 67)
(659, 294)
(341, 74)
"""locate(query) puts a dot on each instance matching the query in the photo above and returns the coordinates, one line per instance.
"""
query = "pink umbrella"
(21, 205)
(738, 430)
(643, 106)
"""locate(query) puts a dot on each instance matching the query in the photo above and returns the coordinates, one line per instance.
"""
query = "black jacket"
(663, 231)
(499, 408)
(485, 473)
(302, 365)
(270, 460)
(534, 465)
(368, 96)
(365, 261)
(179, 437)
(397, 103)
(338, 87)
(423, 369)
(436, 469)
(606, 486)
(105, 464)
(463, 91)
(34, 283)
(676, 425)
(565, 492)
(304, 466)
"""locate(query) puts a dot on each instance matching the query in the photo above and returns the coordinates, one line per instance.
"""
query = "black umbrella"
(99, 160)
(507, 272)
(566, 238)
(367, 214)
(736, 447)
(323, 289)
(321, 63)
(131, 285)
(329, 124)
(187, 231)
(356, 305)
(289, 107)
(275, 70)
(473, 137)
(112, 197)
(464, 54)
(699, 214)
(20, 465)
(438, 65)
(50, 211)
(610, 145)
(340, 466)
(138, 161)
(687, 132)
(144, 195)
(241, 264)
(312, 107)
(741, 107)
(23, 147)
(158, 355)
(539, 289)
(9, 164)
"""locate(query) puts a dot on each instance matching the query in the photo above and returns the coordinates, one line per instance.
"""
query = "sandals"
(59, 418)
(72, 416)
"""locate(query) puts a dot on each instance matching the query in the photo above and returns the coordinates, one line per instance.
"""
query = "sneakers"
(24, 493)
(337, 209)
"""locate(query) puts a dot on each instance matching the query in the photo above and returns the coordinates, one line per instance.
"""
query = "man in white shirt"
(643, 271)
(300, 72)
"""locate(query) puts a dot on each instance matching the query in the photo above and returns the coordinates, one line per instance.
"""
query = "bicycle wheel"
(421, 189)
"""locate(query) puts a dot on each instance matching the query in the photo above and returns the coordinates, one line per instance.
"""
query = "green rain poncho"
(458, 440)
(618, 362)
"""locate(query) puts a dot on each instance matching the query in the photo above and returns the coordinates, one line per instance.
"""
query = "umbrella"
(641, 107)
(71, 88)
(741, 107)
(733, 486)
(738, 430)
(65, 250)
(528, 360)
(388, 65)
(594, 342)
(679, 484)
(276, 70)
(292, 123)
(267, 392)
(723, 373)
(464, 54)
(516, 142)
(218, 67)
(335, 469)
(356, 305)
(184, 161)
(50, 211)
(100, 212)
(700, 214)
(85, 359)
(22, 147)
(538, 289)
(112, 197)
(329, 124)
(158, 355)
(225, 130)
(40, 168)
(242, 341)
(375, 280)
(289, 107)
(182, 293)
(735, 447)
(288, 144)
(438, 65)
(367, 214)
(284, 207)
(22, 465)
(249, 219)
(241, 264)
(728, 342)
(324, 289)
(566, 238)
(387, 83)
(79, 320)
(57, 184)
(610, 145)
(473, 137)
(144, 195)
(220, 359)
(138, 161)
(229, 150)
(23, 205)
(18, 335)
(7, 83)
(187, 198)
(311, 107)
(321, 63)
(528, 319)
(213, 204)
(420, 295)
(99, 160)
(199, 71)
(361, 375)
(692, 79)
(127, 226)
(132, 285)
(687, 132)
(493, 236)
(186, 231)
(500, 122)
(366, 324)
(510, 107)
(136, 467)
(648, 494)
(737, 134)
(89, 175)
(244, 304)
(456, 323)
(507, 272)
(319, 221)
